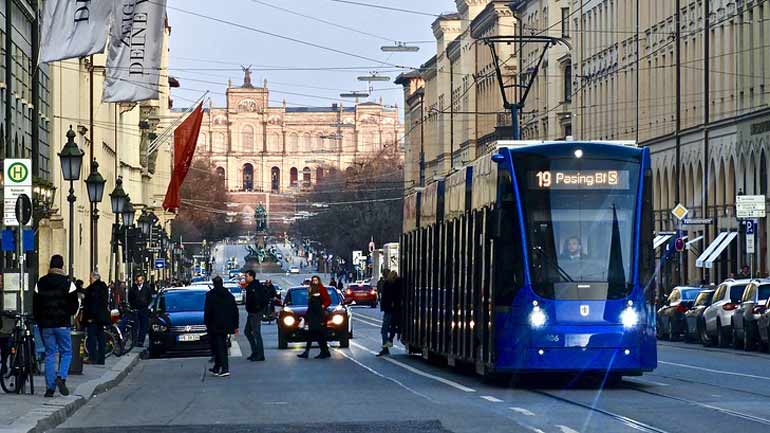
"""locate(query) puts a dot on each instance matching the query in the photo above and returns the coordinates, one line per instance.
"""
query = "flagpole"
(155, 145)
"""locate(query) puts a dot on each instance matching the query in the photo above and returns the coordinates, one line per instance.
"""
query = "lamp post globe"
(145, 223)
(118, 197)
(128, 214)
(95, 183)
(71, 158)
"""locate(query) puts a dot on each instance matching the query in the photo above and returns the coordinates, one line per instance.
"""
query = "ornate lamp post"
(118, 200)
(71, 158)
(128, 220)
(95, 183)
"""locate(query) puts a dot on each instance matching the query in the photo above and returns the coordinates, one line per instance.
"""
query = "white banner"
(74, 28)
(136, 42)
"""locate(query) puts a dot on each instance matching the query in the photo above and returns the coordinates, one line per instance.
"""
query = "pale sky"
(204, 53)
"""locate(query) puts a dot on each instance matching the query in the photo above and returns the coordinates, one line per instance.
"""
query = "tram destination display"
(579, 179)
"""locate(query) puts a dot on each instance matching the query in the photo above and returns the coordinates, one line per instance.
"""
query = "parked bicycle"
(19, 365)
(126, 328)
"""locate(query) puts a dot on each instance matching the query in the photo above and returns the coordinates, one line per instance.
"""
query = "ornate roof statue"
(247, 77)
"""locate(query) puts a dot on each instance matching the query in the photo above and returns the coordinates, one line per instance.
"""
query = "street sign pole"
(679, 213)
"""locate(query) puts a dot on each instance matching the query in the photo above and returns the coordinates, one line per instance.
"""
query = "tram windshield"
(579, 225)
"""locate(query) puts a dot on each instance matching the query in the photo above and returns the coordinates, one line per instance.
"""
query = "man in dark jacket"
(256, 302)
(390, 304)
(139, 298)
(54, 302)
(96, 315)
(221, 318)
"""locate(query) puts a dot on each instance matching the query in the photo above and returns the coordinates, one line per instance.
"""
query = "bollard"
(76, 366)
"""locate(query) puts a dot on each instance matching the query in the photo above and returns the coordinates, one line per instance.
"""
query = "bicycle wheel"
(29, 364)
(128, 338)
(14, 378)
(109, 343)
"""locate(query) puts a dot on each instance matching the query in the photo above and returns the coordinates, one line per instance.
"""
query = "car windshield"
(298, 297)
(690, 294)
(764, 292)
(736, 293)
(580, 225)
(183, 300)
(703, 299)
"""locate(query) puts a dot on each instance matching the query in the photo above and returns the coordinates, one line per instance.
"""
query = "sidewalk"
(36, 414)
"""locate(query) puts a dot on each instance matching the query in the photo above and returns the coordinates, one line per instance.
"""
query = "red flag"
(185, 141)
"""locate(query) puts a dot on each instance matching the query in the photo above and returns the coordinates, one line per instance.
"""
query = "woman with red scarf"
(318, 301)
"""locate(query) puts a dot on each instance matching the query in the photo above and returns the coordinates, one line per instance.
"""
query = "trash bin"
(76, 367)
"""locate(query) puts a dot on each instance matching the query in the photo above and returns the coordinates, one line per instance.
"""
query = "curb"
(57, 410)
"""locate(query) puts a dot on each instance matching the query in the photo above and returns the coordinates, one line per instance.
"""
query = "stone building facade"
(259, 147)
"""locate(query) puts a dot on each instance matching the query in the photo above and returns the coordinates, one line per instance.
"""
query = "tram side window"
(509, 265)
(647, 252)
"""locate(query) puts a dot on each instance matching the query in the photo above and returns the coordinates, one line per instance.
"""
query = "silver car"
(745, 329)
(718, 317)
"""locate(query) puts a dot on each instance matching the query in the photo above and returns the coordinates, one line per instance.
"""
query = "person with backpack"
(256, 303)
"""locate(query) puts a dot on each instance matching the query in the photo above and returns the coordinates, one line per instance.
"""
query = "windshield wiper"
(556, 266)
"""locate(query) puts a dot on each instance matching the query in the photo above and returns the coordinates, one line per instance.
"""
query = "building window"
(293, 176)
(565, 22)
(306, 177)
(568, 83)
(248, 177)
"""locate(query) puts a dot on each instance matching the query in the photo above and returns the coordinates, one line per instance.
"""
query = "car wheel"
(153, 353)
(703, 335)
(722, 338)
(344, 342)
(737, 344)
(748, 337)
(670, 334)
(282, 341)
(374, 305)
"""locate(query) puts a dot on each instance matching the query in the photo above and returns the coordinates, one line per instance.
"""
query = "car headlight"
(289, 320)
(157, 327)
(338, 319)
(537, 318)
(629, 318)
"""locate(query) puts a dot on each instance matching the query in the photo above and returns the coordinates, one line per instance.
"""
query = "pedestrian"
(318, 301)
(390, 304)
(139, 298)
(256, 302)
(96, 315)
(381, 282)
(333, 283)
(270, 294)
(54, 303)
(221, 318)
(745, 272)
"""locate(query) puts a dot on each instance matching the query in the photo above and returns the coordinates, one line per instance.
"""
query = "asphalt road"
(693, 389)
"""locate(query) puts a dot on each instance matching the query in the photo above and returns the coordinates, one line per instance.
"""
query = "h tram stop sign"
(17, 181)
(680, 212)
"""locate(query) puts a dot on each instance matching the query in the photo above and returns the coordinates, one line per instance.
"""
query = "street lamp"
(71, 159)
(145, 223)
(128, 219)
(95, 183)
(118, 199)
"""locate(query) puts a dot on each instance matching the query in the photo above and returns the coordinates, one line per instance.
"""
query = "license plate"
(189, 337)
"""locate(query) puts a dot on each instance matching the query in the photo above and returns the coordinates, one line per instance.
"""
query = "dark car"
(763, 325)
(671, 323)
(361, 294)
(176, 322)
(696, 330)
(746, 316)
(292, 327)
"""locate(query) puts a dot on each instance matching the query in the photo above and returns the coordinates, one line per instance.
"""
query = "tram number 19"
(544, 179)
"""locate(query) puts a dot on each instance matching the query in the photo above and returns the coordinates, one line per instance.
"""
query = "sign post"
(679, 213)
(17, 208)
(750, 208)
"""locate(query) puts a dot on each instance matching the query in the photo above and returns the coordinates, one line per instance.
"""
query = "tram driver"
(573, 249)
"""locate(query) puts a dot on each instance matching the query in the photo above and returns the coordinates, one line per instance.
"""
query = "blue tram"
(535, 258)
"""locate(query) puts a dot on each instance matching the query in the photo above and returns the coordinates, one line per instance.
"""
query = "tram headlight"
(537, 318)
(629, 318)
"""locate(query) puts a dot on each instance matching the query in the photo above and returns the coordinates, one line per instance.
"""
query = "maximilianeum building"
(260, 146)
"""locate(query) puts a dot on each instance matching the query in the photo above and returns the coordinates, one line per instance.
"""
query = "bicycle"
(19, 364)
(125, 327)
(111, 343)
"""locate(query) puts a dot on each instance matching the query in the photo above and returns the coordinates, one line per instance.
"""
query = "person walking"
(390, 304)
(220, 315)
(54, 303)
(139, 298)
(318, 301)
(96, 315)
(256, 302)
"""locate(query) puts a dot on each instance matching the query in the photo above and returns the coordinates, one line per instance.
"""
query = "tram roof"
(522, 143)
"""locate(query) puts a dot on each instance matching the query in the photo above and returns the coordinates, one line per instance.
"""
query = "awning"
(710, 249)
(660, 240)
(687, 245)
(720, 249)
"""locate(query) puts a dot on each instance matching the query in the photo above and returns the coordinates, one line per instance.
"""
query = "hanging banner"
(133, 58)
(185, 142)
(74, 28)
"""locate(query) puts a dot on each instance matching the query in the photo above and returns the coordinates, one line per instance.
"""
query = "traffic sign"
(680, 212)
(17, 181)
(750, 206)
(23, 209)
(697, 221)
(160, 263)
(679, 244)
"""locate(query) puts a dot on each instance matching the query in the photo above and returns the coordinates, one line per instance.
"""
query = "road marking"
(235, 350)
(378, 374)
(376, 325)
(645, 381)
(565, 429)
(522, 411)
(710, 370)
(536, 430)
(492, 399)
(416, 371)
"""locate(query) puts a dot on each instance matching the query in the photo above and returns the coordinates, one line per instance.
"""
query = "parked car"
(176, 322)
(745, 330)
(694, 316)
(718, 317)
(294, 270)
(671, 321)
(237, 291)
(763, 325)
(292, 326)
